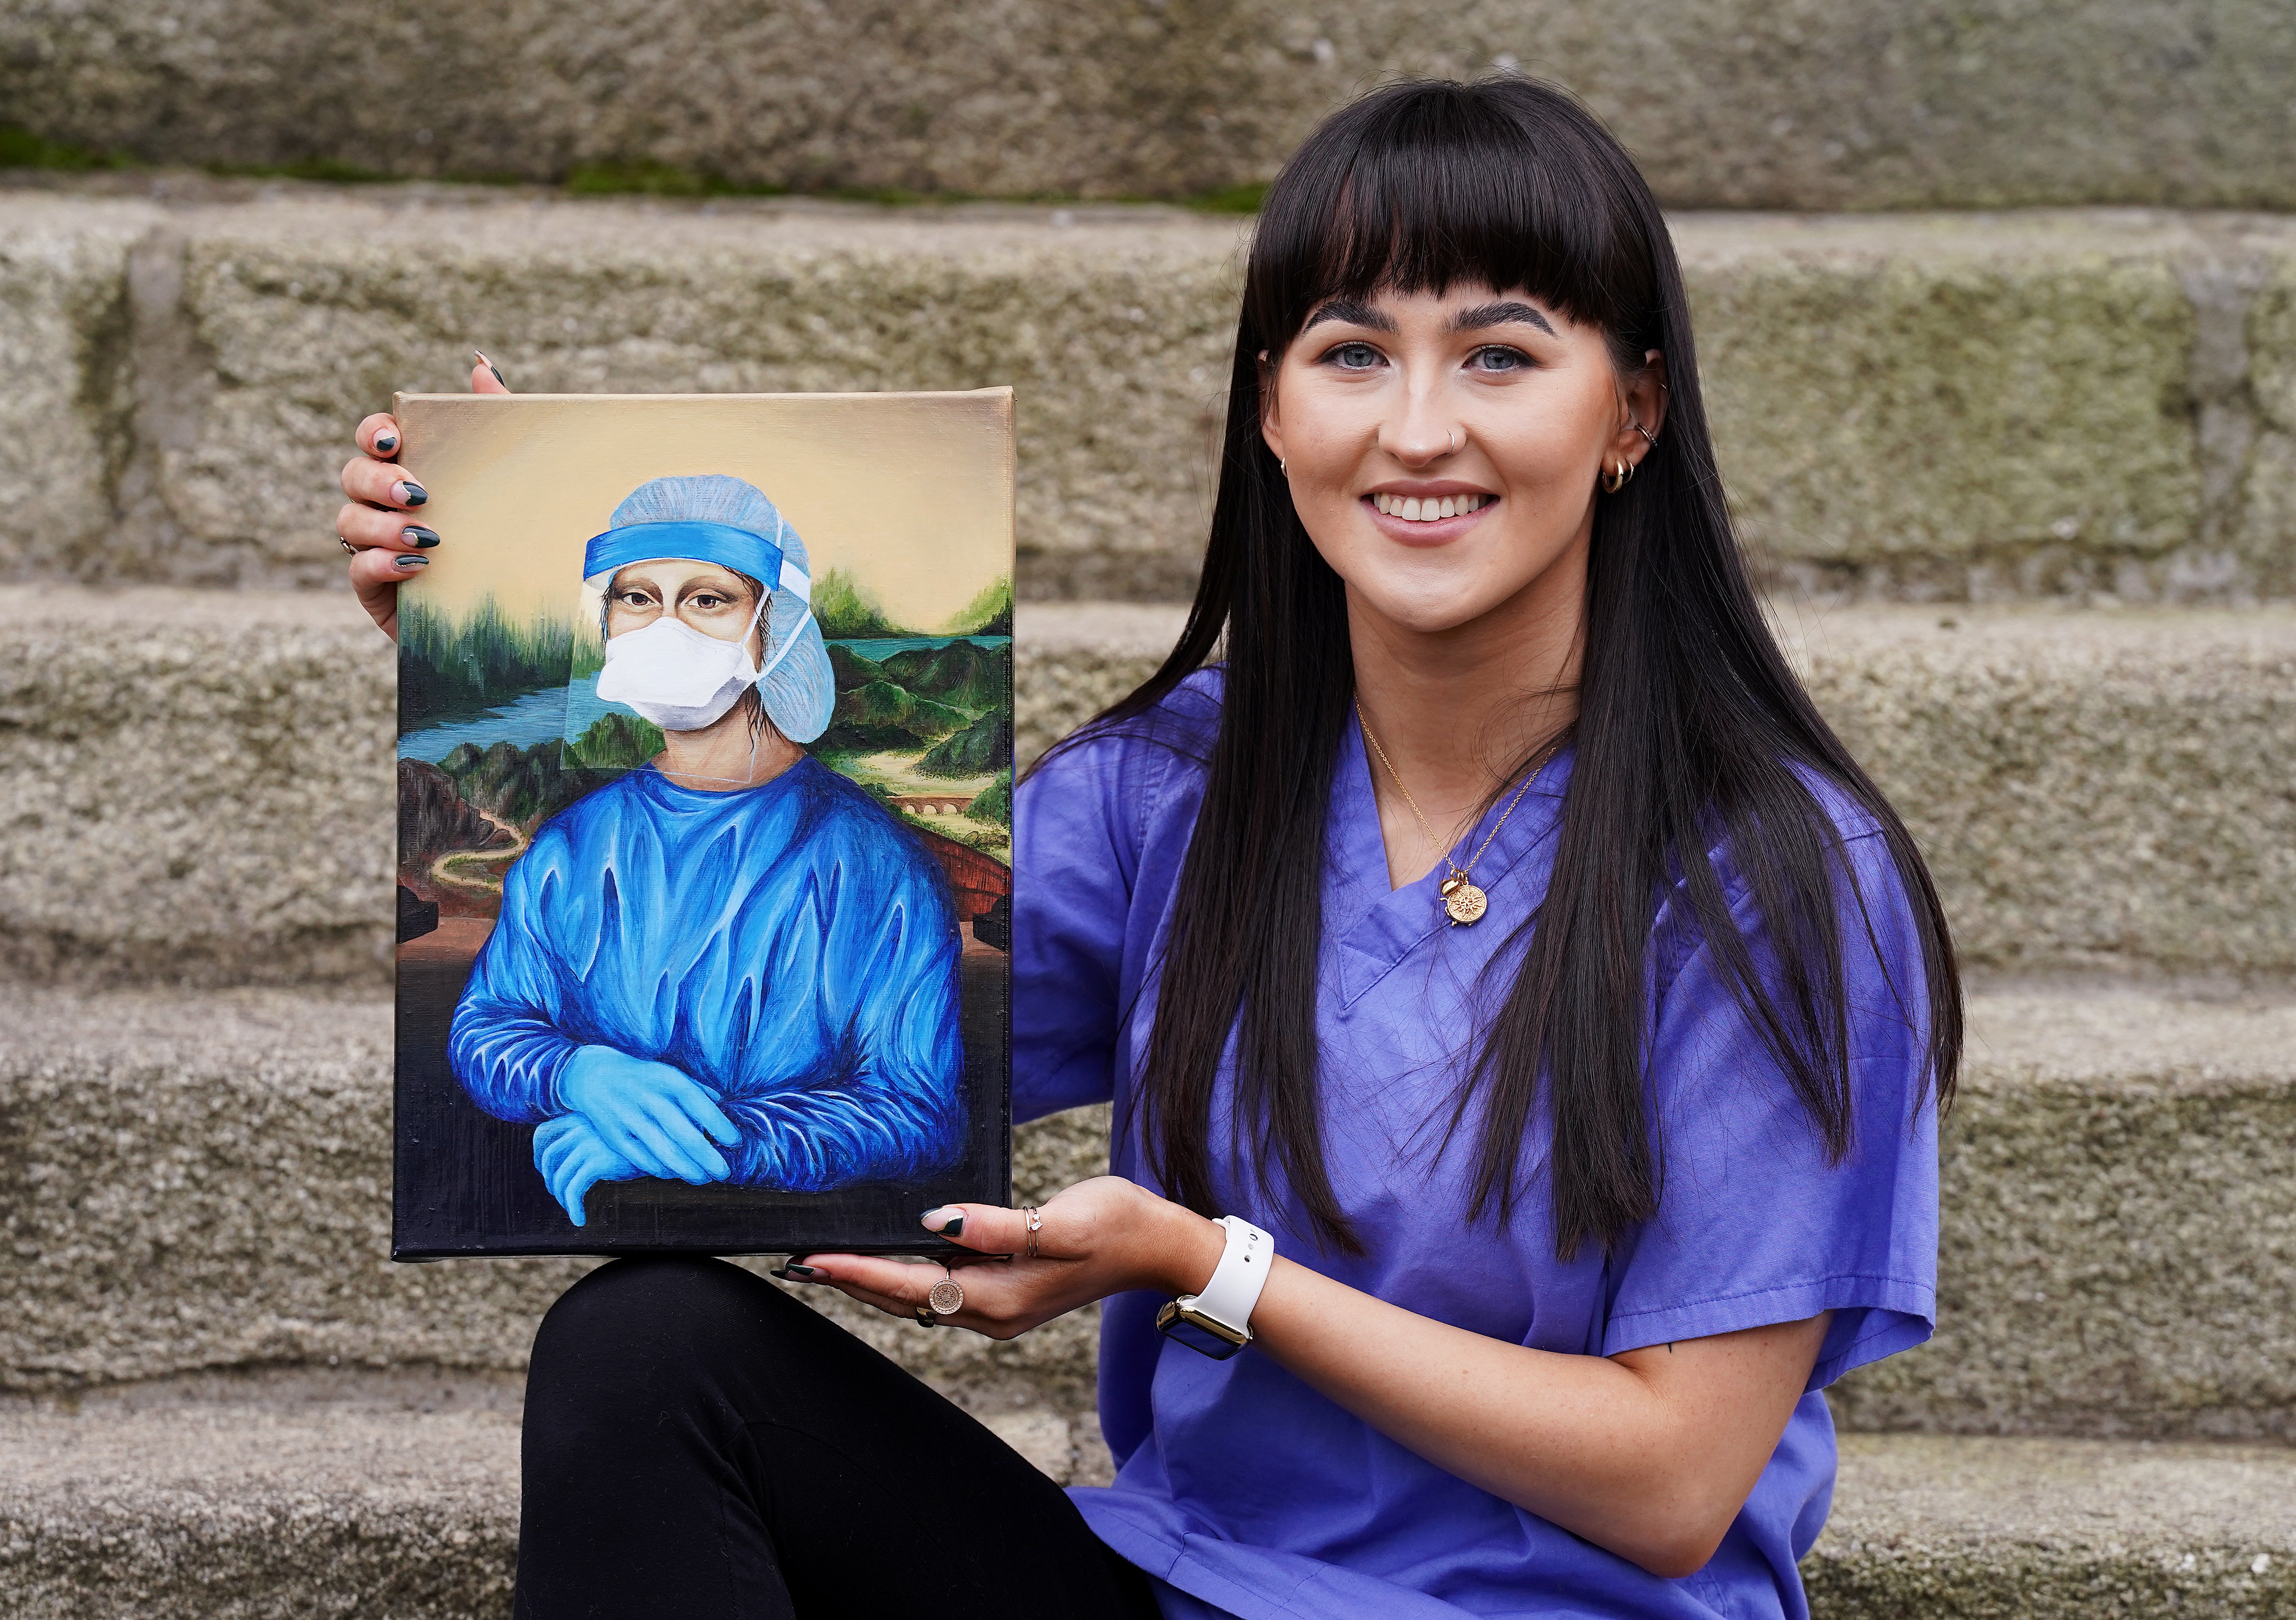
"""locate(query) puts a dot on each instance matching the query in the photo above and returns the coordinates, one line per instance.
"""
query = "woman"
(1496, 930)
(807, 1037)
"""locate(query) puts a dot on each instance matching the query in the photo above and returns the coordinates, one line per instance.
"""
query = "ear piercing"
(1649, 438)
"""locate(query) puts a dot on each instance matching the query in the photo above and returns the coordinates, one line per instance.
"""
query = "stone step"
(1958, 405)
(207, 1509)
(200, 1182)
(2055, 1530)
(1861, 103)
(198, 784)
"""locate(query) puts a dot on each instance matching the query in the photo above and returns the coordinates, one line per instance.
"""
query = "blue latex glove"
(572, 1160)
(651, 1114)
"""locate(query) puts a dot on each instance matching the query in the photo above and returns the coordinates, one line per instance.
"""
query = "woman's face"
(714, 600)
(1487, 404)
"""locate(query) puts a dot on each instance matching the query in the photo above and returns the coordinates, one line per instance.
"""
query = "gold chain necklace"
(1462, 901)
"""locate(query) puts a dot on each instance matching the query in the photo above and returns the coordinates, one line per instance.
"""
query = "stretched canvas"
(659, 989)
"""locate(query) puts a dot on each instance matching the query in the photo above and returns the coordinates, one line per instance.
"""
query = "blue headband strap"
(720, 543)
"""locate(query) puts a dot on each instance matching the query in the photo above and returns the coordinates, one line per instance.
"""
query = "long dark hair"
(1691, 731)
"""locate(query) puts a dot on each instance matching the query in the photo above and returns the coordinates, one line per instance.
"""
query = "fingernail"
(410, 563)
(947, 1221)
(491, 367)
(385, 443)
(798, 1273)
(414, 534)
(410, 493)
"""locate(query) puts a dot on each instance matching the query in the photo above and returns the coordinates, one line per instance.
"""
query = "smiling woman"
(1526, 1025)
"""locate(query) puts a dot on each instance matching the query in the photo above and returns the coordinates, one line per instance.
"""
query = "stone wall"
(2047, 404)
(1730, 104)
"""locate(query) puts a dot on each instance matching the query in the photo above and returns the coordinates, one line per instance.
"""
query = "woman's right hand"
(378, 520)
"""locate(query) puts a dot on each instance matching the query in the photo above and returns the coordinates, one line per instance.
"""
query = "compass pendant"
(1463, 902)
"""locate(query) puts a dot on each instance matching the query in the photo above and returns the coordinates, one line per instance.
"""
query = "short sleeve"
(1755, 1226)
(1075, 847)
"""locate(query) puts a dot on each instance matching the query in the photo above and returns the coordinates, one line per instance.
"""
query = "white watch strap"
(1236, 1281)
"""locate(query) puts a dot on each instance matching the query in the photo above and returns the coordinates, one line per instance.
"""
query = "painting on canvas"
(705, 772)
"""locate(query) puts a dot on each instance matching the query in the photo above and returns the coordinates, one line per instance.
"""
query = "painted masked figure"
(731, 964)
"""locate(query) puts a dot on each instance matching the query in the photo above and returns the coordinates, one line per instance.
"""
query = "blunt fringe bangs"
(1694, 734)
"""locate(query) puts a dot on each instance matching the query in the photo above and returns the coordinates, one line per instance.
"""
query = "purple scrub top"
(1243, 1492)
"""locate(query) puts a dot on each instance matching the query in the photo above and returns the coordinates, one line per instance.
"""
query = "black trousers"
(699, 1445)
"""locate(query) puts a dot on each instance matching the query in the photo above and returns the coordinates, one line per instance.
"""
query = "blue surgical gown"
(788, 946)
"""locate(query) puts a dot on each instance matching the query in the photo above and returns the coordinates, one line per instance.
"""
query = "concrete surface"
(2044, 1529)
(250, 1510)
(2074, 403)
(198, 784)
(2106, 791)
(234, 1512)
(200, 1182)
(196, 787)
(1726, 102)
(2118, 1252)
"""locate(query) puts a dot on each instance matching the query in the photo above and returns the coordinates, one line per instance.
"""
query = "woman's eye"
(1497, 357)
(1354, 357)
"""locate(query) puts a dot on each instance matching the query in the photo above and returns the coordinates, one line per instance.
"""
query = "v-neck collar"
(1375, 926)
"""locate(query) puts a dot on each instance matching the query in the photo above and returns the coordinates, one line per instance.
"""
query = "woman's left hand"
(1101, 1236)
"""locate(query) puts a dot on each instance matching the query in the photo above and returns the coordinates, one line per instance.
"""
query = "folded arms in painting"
(800, 968)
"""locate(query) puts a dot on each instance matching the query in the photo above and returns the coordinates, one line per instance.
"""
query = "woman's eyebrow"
(1353, 314)
(1502, 313)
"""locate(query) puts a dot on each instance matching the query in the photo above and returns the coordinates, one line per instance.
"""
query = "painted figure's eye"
(1498, 357)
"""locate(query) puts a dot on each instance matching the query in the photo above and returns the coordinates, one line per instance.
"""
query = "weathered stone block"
(2118, 1254)
(218, 1509)
(1114, 332)
(200, 781)
(2093, 790)
(1730, 104)
(1955, 407)
(65, 414)
(2077, 404)
(199, 1182)
(190, 1183)
(196, 787)
(2055, 1530)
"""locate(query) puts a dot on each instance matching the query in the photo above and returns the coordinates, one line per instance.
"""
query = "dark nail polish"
(413, 563)
(491, 367)
(414, 534)
(385, 443)
(799, 1273)
(955, 1229)
(415, 493)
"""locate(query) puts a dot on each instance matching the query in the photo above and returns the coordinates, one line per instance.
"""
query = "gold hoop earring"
(1283, 467)
(1615, 480)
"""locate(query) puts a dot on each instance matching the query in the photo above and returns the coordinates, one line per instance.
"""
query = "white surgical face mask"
(674, 675)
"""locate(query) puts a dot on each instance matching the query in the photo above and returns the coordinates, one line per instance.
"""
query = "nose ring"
(1452, 439)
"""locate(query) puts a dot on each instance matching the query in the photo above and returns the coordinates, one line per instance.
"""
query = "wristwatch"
(1217, 1321)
